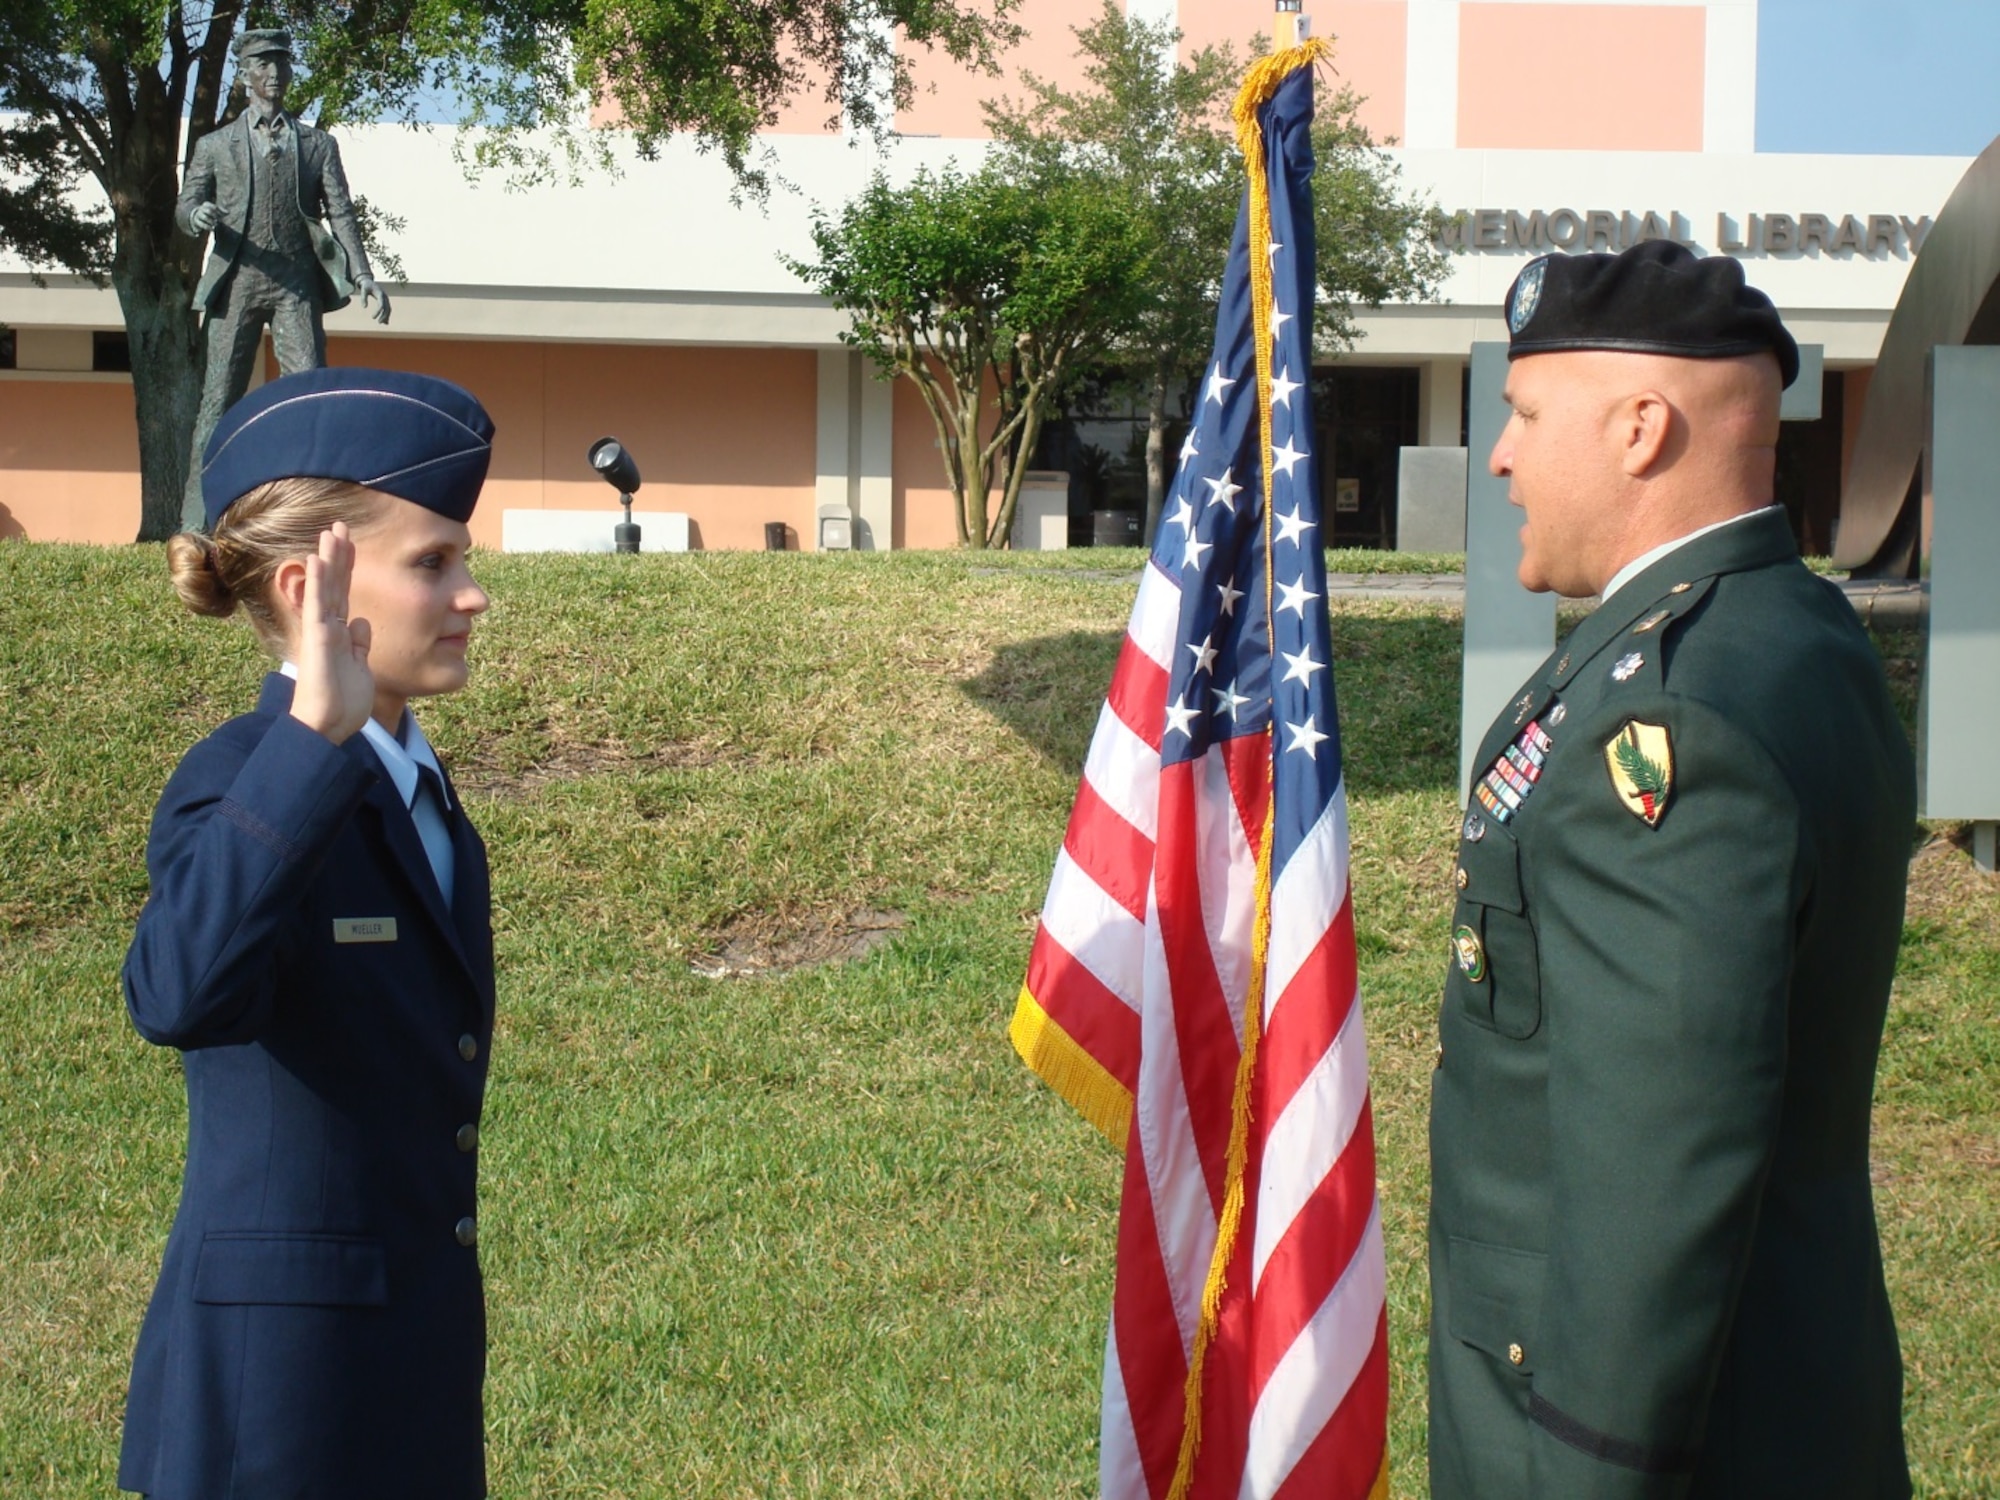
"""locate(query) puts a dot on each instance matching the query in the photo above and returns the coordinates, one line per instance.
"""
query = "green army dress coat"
(1654, 1262)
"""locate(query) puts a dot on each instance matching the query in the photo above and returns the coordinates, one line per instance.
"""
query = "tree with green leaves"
(101, 89)
(987, 292)
(1156, 132)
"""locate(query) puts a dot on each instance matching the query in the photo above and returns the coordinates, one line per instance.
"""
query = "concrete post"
(1508, 631)
(1958, 715)
(852, 447)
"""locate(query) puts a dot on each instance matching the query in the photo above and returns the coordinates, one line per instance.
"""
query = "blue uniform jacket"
(318, 1329)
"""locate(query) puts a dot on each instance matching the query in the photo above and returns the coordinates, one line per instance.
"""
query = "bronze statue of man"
(261, 184)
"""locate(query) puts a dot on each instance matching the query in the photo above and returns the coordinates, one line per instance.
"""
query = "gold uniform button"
(1516, 1354)
(468, 1046)
(1460, 878)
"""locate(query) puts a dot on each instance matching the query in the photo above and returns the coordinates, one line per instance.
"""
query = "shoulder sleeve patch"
(1640, 757)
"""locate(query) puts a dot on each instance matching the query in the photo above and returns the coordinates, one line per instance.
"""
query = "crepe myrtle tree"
(1154, 127)
(95, 95)
(988, 291)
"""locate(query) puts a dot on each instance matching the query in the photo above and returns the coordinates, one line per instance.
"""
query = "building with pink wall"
(651, 306)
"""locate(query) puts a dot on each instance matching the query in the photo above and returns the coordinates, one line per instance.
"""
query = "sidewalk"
(1893, 604)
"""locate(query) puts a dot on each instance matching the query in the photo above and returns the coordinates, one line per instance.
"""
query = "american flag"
(1192, 987)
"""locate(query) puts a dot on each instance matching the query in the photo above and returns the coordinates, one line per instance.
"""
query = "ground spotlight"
(609, 457)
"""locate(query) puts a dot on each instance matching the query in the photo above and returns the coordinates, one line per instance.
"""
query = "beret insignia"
(1527, 295)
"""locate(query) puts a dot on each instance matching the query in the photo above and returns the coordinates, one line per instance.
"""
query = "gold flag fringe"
(1259, 86)
(1084, 1083)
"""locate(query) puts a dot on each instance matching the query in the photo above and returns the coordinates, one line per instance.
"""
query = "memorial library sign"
(1872, 236)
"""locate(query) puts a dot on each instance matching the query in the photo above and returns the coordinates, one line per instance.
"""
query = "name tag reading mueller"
(364, 929)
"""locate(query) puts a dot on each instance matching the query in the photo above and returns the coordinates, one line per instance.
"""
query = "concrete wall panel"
(1581, 77)
(69, 460)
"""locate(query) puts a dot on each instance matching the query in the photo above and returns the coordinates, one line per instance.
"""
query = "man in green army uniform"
(1654, 1262)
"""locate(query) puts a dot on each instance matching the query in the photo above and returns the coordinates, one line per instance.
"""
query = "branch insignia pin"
(1640, 758)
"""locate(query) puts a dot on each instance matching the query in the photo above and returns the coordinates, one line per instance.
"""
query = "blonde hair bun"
(197, 575)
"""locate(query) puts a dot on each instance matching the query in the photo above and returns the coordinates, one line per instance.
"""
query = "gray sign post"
(1958, 715)
(1507, 629)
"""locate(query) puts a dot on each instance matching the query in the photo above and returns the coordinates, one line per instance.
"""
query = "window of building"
(110, 352)
(1807, 481)
(1099, 440)
(1363, 417)
(7, 349)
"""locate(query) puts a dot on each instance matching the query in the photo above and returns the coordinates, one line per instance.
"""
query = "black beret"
(415, 436)
(257, 43)
(1658, 297)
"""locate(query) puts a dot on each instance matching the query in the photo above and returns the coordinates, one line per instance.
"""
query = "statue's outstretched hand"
(370, 292)
(336, 691)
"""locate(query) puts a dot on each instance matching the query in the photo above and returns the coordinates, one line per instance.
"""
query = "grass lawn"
(794, 1231)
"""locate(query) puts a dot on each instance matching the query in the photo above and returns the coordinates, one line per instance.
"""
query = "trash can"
(1114, 528)
(774, 536)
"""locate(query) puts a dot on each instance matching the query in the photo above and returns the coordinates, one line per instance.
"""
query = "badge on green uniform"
(1471, 956)
(1641, 760)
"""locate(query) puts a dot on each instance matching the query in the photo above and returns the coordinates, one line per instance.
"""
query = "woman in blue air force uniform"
(317, 942)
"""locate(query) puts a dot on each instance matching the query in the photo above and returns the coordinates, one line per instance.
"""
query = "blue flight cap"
(414, 436)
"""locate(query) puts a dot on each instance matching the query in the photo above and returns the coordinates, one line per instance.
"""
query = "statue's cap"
(414, 436)
(257, 43)
(1658, 297)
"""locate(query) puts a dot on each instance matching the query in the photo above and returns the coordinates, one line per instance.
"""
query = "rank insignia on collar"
(1471, 956)
(1627, 667)
(1641, 760)
(1650, 621)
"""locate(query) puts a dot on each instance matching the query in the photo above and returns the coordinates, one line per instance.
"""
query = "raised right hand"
(336, 691)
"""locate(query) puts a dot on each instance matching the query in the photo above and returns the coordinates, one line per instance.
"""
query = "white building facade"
(649, 305)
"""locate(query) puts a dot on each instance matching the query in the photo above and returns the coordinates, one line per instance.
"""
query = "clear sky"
(1890, 77)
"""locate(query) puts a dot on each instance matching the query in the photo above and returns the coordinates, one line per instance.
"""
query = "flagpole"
(1293, 25)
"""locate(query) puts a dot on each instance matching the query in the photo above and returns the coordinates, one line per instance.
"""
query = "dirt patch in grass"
(1974, 1150)
(754, 946)
(1944, 880)
(569, 761)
